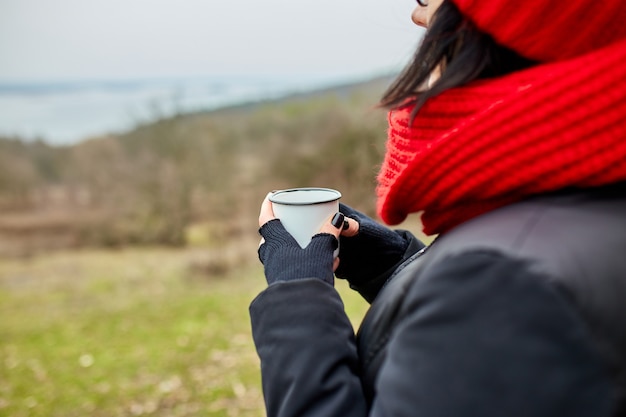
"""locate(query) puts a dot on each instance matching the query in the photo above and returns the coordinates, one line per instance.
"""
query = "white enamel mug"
(303, 211)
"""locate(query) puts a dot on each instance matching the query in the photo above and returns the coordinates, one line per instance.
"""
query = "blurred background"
(137, 140)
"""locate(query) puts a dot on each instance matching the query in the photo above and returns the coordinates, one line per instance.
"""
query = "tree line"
(147, 186)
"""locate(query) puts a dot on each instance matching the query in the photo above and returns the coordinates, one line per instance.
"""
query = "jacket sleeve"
(305, 341)
(479, 335)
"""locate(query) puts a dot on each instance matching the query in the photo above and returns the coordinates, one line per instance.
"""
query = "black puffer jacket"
(519, 312)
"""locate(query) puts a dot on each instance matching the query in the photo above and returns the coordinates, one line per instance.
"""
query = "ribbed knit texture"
(372, 251)
(284, 260)
(549, 30)
(479, 147)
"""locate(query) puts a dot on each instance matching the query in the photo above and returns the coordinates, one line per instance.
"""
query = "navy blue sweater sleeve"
(479, 335)
(368, 285)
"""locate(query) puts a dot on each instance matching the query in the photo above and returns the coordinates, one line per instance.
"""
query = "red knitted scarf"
(475, 148)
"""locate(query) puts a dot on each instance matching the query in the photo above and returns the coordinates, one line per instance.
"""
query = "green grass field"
(129, 332)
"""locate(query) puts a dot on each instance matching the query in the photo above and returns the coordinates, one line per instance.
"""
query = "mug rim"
(336, 195)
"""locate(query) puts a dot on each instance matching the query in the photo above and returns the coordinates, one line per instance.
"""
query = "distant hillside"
(149, 185)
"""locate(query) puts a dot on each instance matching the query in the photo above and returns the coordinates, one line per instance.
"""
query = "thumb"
(334, 225)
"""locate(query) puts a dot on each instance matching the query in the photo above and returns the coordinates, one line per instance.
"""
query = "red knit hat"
(548, 30)
(493, 142)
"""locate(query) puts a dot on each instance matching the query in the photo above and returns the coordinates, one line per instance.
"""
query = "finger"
(267, 212)
(335, 264)
(333, 225)
(352, 229)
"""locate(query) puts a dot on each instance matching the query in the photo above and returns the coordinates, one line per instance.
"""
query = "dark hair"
(467, 54)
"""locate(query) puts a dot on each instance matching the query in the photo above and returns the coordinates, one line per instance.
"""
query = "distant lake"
(68, 112)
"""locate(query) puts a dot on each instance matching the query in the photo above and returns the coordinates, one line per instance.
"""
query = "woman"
(508, 133)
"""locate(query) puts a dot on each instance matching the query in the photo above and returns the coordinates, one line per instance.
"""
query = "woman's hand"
(284, 260)
(267, 213)
(368, 249)
(350, 226)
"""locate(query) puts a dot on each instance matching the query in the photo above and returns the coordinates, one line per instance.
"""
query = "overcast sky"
(104, 39)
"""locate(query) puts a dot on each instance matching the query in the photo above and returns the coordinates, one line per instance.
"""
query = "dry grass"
(160, 331)
(129, 332)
